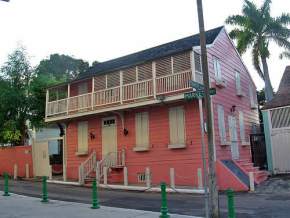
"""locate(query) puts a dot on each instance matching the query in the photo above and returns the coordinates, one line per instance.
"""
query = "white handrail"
(87, 167)
(112, 159)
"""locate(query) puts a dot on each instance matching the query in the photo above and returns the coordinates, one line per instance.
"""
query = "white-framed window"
(238, 83)
(217, 68)
(253, 96)
(142, 129)
(242, 126)
(82, 137)
(221, 124)
(177, 127)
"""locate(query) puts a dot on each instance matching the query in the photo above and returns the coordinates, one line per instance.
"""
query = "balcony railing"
(124, 94)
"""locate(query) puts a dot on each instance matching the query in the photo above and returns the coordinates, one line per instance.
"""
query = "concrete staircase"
(247, 166)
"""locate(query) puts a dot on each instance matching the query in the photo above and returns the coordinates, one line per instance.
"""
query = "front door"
(234, 137)
(41, 158)
(109, 137)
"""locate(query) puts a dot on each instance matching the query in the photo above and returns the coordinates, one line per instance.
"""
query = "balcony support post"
(68, 96)
(154, 78)
(92, 94)
(46, 103)
(192, 64)
(121, 87)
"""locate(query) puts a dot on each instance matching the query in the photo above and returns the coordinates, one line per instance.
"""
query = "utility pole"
(213, 194)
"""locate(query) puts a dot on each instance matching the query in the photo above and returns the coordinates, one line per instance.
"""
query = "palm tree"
(255, 29)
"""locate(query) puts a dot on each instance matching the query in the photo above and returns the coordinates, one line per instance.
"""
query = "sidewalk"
(27, 207)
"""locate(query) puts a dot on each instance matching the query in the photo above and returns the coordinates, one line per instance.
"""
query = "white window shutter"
(238, 83)
(142, 129)
(83, 136)
(242, 126)
(177, 126)
(217, 68)
(221, 123)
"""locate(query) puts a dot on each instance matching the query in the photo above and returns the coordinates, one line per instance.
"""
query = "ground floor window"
(177, 127)
(82, 137)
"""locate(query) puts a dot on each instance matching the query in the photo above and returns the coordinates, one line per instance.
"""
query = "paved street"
(247, 205)
(30, 207)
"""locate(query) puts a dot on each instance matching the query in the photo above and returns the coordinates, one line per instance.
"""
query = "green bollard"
(44, 190)
(231, 205)
(6, 189)
(95, 201)
(164, 209)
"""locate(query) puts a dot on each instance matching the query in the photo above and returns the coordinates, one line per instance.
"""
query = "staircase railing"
(87, 167)
(112, 159)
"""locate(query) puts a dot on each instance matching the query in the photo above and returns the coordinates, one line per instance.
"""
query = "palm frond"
(265, 8)
(256, 60)
(244, 41)
(282, 42)
(274, 28)
(283, 19)
(285, 54)
(237, 20)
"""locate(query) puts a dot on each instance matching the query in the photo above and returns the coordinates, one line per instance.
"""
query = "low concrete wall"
(19, 155)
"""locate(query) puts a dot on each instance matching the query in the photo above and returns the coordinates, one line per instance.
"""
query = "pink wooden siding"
(230, 61)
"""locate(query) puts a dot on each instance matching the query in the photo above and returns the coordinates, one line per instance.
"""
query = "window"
(242, 126)
(83, 137)
(197, 65)
(83, 88)
(217, 68)
(142, 130)
(221, 124)
(238, 84)
(253, 97)
(176, 126)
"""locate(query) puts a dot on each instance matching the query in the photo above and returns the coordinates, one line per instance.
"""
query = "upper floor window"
(221, 124)
(238, 83)
(253, 97)
(217, 68)
(177, 127)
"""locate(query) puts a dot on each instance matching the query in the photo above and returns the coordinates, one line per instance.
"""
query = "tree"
(16, 75)
(62, 67)
(255, 29)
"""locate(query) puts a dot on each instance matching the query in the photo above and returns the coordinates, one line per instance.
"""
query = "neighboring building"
(276, 117)
(131, 112)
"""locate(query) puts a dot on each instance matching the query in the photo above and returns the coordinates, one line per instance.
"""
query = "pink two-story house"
(130, 114)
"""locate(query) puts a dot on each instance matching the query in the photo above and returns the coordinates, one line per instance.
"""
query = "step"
(260, 176)
(251, 169)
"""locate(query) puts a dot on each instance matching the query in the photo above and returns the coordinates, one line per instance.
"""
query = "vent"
(113, 80)
(141, 177)
(144, 71)
(181, 62)
(100, 82)
(129, 75)
(280, 117)
(163, 67)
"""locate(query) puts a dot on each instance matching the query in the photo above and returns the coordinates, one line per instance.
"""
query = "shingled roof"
(282, 97)
(150, 54)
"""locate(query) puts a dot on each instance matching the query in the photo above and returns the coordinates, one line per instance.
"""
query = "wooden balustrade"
(173, 82)
(139, 90)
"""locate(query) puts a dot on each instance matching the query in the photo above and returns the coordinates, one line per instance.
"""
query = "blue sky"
(106, 29)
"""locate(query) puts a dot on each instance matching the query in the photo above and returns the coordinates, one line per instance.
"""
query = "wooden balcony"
(120, 97)
(127, 94)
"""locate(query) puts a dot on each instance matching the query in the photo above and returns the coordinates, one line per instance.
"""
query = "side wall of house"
(19, 155)
(227, 97)
(159, 158)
